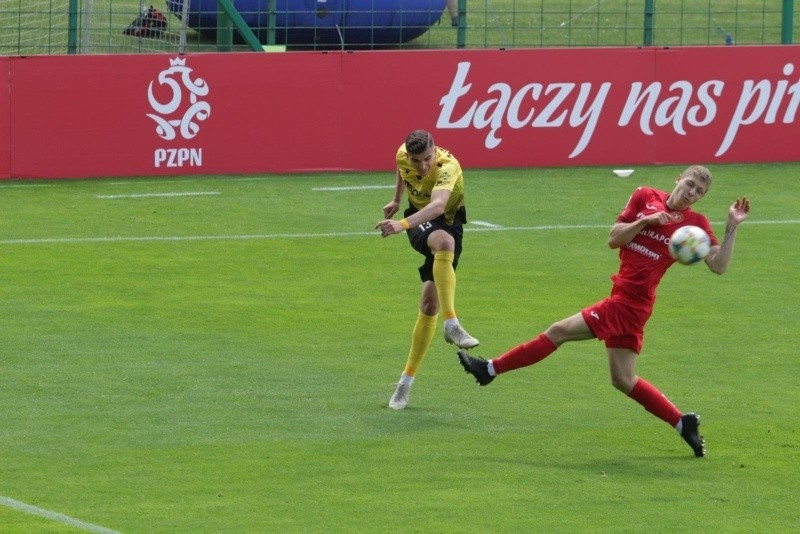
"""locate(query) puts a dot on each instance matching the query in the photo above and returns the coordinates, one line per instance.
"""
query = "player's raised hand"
(739, 210)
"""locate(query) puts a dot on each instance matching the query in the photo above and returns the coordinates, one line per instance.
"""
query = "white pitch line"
(146, 195)
(485, 224)
(54, 516)
(240, 237)
(152, 182)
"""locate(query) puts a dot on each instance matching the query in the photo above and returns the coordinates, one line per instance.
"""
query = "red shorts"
(618, 321)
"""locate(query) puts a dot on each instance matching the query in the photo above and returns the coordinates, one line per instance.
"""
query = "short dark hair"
(419, 141)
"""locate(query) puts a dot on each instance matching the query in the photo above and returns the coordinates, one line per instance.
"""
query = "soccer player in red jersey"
(433, 182)
(641, 233)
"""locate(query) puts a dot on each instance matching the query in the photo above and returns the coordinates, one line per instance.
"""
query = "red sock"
(526, 354)
(655, 402)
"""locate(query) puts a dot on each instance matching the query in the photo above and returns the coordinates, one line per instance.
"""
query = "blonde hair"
(700, 173)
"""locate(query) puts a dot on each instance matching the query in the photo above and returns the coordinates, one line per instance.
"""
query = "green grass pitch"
(215, 354)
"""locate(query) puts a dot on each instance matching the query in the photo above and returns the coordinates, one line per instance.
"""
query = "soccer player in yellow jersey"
(434, 184)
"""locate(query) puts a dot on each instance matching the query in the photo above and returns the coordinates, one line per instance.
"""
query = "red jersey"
(646, 258)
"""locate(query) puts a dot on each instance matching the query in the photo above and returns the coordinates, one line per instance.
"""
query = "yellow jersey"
(444, 174)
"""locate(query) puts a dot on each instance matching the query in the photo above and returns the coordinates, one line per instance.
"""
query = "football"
(689, 244)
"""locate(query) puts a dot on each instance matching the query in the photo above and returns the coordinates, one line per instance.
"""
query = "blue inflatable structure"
(324, 23)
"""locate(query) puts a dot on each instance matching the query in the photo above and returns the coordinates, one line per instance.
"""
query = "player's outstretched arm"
(720, 256)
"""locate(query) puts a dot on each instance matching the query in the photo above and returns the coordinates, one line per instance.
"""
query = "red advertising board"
(5, 87)
(84, 116)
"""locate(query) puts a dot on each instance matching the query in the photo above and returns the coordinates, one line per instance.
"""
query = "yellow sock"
(444, 276)
(421, 337)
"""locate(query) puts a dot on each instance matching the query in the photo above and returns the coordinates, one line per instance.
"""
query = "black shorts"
(418, 237)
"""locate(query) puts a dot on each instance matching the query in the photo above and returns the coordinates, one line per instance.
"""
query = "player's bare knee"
(444, 246)
(622, 383)
(441, 241)
(429, 307)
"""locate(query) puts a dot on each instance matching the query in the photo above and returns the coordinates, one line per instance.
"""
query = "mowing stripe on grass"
(352, 188)
(491, 228)
(10, 186)
(148, 195)
(54, 516)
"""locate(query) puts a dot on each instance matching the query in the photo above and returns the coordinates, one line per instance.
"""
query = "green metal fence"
(29, 27)
(628, 23)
